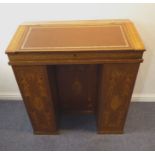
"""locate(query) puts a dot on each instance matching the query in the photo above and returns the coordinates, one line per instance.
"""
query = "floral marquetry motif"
(36, 93)
(37, 80)
(115, 93)
(115, 102)
(124, 81)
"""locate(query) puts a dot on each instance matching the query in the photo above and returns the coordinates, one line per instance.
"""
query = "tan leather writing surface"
(49, 37)
(70, 36)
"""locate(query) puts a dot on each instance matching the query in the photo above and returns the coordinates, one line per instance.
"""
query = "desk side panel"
(34, 86)
(115, 89)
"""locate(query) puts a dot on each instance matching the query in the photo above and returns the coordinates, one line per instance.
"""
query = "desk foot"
(110, 132)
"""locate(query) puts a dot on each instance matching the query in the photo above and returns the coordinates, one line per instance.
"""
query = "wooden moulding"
(75, 58)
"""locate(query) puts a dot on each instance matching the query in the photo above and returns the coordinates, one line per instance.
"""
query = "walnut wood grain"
(88, 57)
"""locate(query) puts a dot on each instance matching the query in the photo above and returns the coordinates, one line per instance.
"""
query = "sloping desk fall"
(76, 67)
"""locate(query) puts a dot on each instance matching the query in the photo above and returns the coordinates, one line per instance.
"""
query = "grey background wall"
(143, 15)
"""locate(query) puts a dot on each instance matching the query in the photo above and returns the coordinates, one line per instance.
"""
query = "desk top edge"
(130, 30)
(76, 22)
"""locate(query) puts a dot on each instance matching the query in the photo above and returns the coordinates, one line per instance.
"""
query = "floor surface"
(78, 132)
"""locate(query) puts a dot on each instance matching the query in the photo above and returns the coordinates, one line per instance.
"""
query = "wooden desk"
(76, 67)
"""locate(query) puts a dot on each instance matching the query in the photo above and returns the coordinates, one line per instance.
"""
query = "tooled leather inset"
(99, 36)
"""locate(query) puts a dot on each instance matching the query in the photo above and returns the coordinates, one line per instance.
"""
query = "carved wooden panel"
(33, 83)
(115, 89)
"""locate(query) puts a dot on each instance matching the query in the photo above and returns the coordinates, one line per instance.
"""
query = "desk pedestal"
(39, 98)
(116, 82)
